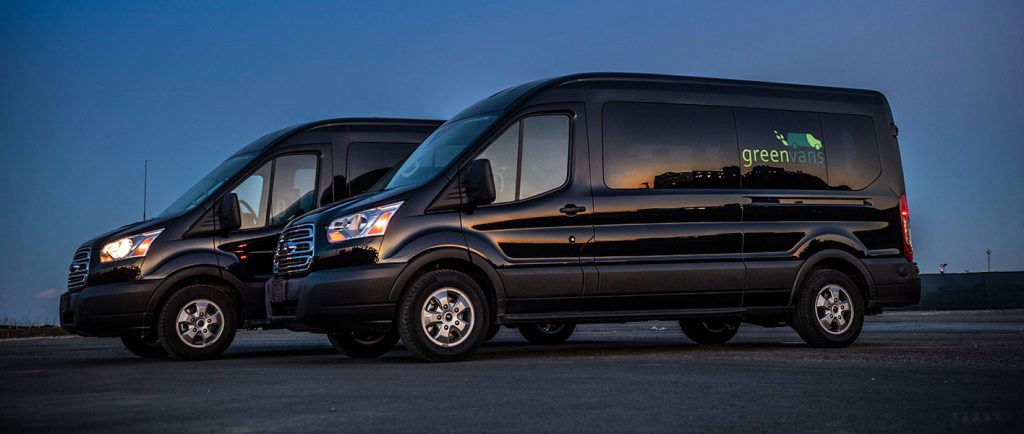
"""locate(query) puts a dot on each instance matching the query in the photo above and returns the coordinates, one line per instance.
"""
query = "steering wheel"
(249, 212)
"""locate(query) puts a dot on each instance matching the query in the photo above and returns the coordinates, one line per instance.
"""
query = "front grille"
(79, 269)
(294, 252)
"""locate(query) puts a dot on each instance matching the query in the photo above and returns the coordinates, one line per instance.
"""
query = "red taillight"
(908, 245)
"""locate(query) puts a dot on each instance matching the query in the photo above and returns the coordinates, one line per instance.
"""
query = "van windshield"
(208, 185)
(436, 152)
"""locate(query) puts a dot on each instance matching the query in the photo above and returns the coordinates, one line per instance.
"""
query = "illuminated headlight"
(135, 246)
(367, 223)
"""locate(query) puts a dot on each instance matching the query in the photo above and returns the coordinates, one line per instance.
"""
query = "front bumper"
(114, 309)
(335, 299)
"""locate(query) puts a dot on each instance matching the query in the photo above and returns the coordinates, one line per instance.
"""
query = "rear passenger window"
(530, 158)
(852, 152)
(368, 162)
(669, 146)
(781, 149)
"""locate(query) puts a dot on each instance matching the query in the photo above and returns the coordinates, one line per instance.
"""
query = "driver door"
(280, 190)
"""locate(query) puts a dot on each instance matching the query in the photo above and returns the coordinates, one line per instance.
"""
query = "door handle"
(571, 210)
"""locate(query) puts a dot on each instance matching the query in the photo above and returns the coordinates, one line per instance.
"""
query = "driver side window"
(530, 158)
(294, 188)
(252, 197)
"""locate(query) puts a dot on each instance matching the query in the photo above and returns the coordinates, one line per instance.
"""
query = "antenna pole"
(145, 182)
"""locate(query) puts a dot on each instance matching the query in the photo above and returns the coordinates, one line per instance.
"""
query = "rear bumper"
(334, 299)
(897, 282)
(115, 309)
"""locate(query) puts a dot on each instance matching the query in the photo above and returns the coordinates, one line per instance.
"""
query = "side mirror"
(478, 183)
(229, 214)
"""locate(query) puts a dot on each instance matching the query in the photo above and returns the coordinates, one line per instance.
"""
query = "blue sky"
(88, 90)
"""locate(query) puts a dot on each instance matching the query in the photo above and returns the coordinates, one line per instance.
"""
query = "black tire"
(806, 318)
(547, 333)
(492, 332)
(415, 298)
(363, 344)
(167, 322)
(143, 347)
(710, 331)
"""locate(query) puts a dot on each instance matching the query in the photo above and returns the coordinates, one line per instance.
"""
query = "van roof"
(518, 95)
(262, 143)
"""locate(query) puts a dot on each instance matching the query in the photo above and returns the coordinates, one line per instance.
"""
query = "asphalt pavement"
(913, 372)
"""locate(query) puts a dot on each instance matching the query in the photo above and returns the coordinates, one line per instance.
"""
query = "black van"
(612, 198)
(182, 283)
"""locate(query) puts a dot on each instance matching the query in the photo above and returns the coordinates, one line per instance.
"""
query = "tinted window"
(852, 151)
(781, 149)
(294, 187)
(503, 154)
(437, 152)
(208, 185)
(545, 155)
(664, 146)
(252, 197)
(543, 144)
(368, 162)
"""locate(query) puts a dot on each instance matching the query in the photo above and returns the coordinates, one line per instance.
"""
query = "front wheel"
(710, 331)
(198, 322)
(144, 347)
(547, 333)
(829, 310)
(363, 344)
(443, 316)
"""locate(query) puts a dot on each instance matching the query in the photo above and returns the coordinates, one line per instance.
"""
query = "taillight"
(908, 244)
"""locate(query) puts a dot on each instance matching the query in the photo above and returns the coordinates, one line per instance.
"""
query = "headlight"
(366, 223)
(134, 246)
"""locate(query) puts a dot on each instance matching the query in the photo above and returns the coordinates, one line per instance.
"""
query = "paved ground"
(919, 372)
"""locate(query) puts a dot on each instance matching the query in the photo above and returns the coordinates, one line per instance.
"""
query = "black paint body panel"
(637, 254)
(123, 297)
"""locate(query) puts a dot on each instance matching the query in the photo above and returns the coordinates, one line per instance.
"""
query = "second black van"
(183, 282)
(611, 198)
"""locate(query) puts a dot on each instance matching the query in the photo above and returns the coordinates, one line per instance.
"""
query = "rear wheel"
(547, 333)
(198, 322)
(146, 348)
(363, 344)
(710, 331)
(829, 310)
(442, 317)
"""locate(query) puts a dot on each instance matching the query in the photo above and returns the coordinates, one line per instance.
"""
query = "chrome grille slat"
(294, 253)
(79, 269)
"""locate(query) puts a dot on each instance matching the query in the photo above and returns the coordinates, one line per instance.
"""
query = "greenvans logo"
(798, 148)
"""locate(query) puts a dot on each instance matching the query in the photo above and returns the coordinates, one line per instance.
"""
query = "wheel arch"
(207, 274)
(836, 259)
(462, 260)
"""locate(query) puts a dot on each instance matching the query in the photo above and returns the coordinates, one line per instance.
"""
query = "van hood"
(325, 215)
(128, 230)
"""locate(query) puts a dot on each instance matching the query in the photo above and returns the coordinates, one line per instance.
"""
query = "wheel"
(143, 347)
(547, 333)
(442, 316)
(198, 322)
(710, 331)
(829, 310)
(363, 344)
(492, 332)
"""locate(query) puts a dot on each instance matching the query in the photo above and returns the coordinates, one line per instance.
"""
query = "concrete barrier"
(971, 291)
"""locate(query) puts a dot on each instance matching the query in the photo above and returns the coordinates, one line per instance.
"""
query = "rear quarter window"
(852, 151)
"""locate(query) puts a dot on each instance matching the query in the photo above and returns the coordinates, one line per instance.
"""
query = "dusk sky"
(89, 90)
